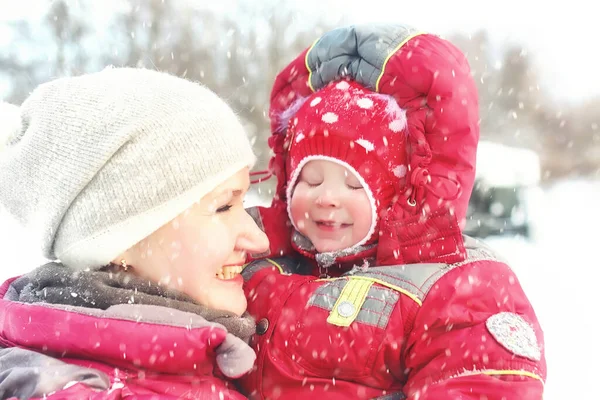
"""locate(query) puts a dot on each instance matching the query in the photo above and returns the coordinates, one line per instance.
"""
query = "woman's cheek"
(216, 244)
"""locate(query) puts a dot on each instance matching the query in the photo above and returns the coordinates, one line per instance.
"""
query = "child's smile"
(330, 206)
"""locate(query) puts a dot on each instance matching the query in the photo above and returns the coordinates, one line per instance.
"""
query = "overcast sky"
(562, 37)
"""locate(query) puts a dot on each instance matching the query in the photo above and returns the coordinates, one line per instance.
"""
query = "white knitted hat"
(91, 165)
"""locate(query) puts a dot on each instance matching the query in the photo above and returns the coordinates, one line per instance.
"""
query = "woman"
(132, 181)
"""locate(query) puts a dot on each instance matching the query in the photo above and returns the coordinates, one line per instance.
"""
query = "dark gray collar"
(55, 284)
(326, 260)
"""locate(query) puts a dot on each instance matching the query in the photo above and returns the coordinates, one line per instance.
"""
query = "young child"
(374, 171)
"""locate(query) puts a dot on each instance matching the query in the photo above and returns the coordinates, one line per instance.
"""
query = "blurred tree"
(508, 91)
(515, 111)
(67, 31)
(40, 52)
(236, 57)
(20, 73)
(237, 54)
(477, 51)
(571, 140)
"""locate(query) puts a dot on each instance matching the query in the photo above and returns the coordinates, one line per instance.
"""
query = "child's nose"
(328, 198)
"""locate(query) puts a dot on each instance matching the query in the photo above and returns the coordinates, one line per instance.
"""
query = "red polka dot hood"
(362, 130)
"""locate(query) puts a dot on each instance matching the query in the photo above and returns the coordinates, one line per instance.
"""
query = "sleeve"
(269, 282)
(476, 337)
(26, 374)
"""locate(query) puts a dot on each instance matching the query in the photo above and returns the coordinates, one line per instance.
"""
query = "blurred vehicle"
(501, 200)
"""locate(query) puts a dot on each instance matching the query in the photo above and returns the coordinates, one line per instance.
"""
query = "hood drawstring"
(419, 178)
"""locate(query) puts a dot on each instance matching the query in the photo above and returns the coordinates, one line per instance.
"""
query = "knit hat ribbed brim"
(96, 163)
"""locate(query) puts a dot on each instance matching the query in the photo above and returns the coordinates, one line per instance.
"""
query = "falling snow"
(369, 146)
(343, 85)
(540, 264)
(399, 171)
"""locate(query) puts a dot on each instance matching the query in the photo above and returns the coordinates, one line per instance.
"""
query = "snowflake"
(299, 137)
(365, 103)
(343, 85)
(366, 144)
(330, 117)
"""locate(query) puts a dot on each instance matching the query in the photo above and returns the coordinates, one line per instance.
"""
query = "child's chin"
(324, 247)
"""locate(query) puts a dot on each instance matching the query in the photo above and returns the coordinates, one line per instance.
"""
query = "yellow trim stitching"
(308, 67)
(512, 372)
(267, 260)
(275, 264)
(405, 292)
(391, 54)
(354, 293)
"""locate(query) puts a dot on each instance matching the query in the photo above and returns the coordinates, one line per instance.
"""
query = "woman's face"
(202, 251)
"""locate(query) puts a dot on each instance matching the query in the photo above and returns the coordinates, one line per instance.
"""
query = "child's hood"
(431, 80)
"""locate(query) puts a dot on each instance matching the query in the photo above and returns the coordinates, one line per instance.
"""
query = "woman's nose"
(252, 239)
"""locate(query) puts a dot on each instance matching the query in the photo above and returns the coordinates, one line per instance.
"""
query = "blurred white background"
(535, 63)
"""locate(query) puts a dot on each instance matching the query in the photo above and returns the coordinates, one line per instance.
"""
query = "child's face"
(330, 206)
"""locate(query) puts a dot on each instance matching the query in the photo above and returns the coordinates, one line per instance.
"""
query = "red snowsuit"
(436, 315)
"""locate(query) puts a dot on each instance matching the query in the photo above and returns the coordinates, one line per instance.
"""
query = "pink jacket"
(128, 351)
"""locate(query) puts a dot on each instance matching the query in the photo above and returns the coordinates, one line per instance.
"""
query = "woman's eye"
(224, 208)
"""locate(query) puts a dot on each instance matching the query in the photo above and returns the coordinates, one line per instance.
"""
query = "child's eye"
(224, 208)
(311, 182)
(353, 184)
(353, 187)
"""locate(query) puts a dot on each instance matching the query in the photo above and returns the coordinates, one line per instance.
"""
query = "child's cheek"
(299, 211)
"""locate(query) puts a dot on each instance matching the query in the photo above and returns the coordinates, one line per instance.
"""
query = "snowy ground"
(556, 269)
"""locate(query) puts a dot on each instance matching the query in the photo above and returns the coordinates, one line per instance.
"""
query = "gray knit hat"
(91, 165)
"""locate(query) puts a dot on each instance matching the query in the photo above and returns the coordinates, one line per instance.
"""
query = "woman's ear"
(125, 259)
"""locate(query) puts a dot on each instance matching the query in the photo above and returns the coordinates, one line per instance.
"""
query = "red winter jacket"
(428, 331)
(127, 351)
(436, 315)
